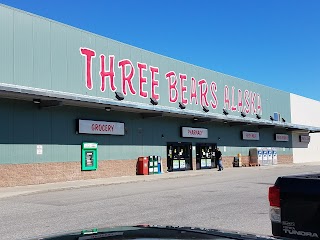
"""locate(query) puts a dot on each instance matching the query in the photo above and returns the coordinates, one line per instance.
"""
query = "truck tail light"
(274, 199)
(274, 196)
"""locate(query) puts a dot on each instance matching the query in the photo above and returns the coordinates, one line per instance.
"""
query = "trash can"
(143, 166)
(236, 162)
(239, 156)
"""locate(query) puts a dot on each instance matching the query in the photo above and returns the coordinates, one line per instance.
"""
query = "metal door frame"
(189, 160)
(198, 159)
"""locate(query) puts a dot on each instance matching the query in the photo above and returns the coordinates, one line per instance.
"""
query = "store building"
(68, 96)
(304, 111)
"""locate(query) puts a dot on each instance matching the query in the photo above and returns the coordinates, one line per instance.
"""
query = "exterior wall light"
(225, 111)
(154, 101)
(205, 109)
(181, 105)
(36, 101)
(283, 120)
(258, 116)
(243, 114)
(271, 118)
(119, 96)
(47, 103)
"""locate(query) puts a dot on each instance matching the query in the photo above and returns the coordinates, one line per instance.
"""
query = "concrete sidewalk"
(48, 187)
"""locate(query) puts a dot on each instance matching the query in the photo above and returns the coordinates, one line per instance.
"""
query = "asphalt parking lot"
(234, 199)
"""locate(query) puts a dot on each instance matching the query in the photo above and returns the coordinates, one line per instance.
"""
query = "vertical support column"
(194, 159)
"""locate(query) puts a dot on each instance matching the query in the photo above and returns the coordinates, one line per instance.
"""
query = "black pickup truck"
(295, 206)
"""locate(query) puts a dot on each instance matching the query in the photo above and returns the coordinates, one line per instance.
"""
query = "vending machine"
(153, 165)
(89, 156)
(269, 156)
(274, 156)
(264, 156)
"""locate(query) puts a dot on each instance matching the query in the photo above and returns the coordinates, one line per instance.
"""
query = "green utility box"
(89, 156)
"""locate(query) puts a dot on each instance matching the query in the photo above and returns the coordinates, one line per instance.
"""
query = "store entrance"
(205, 157)
(179, 156)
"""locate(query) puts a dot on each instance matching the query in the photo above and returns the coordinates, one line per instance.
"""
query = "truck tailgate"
(300, 206)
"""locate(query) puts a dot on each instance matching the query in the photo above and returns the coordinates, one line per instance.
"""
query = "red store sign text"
(197, 92)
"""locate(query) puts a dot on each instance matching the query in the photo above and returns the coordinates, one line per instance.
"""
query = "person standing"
(219, 159)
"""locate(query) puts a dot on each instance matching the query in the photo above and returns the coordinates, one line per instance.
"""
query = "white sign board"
(90, 145)
(39, 149)
(182, 164)
(194, 132)
(304, 138)
(282, 137)
(203, 162)
(100, 127)
(208, 162)
(176, 164)
(250, 135)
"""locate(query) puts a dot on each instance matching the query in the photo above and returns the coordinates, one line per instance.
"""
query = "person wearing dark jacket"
(219, 159)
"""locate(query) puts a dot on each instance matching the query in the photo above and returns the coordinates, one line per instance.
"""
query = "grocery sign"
(100, 127)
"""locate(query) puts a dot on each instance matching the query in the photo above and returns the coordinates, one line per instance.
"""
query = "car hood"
(152, 232)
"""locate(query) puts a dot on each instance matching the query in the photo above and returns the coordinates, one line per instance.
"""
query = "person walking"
(219, 159)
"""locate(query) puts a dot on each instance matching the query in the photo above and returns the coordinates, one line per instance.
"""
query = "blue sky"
(272, 42)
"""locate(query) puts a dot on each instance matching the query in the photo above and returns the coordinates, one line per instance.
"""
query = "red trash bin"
(143, 166)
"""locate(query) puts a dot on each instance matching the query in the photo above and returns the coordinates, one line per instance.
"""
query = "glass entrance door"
(205, 155)
(179, 156)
